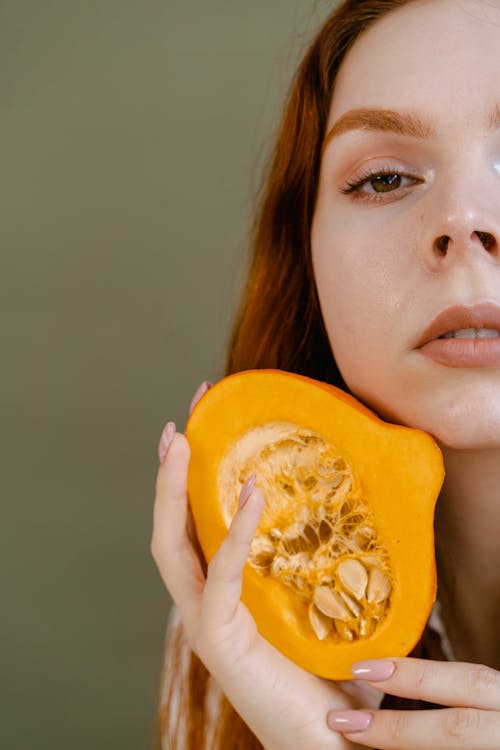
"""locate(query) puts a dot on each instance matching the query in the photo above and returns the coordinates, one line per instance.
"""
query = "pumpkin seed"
(279, 563)
(318, 536)
(343, 631)
(321, 624)
(353, 577)
(353, 606)
(366, 627)
(330, 603)
(379, 586)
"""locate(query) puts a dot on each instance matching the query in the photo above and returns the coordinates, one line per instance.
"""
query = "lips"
(463, 352)
(456, 317)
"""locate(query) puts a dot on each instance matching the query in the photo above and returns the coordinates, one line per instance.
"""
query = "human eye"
(381, 181)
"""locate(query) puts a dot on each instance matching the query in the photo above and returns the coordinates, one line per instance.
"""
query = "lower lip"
(463, 352)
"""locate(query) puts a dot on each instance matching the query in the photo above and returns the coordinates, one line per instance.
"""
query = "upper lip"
(456, 317)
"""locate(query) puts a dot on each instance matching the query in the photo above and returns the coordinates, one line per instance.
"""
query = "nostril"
(441, 244)
(487, 240)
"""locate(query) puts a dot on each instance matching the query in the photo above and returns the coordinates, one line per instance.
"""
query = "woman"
(377, 268)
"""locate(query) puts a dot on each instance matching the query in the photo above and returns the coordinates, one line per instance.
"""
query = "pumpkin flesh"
(342, 564)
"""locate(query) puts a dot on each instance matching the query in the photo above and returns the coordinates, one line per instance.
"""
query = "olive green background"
(132, 138)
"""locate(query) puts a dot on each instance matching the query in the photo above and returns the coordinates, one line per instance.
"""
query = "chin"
(460, 426)
(463, 421)
(468, 436)
(467, 420)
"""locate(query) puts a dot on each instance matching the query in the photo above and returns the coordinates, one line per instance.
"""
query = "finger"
(163, 446)
(194, 541)
(200, 391)
(224, 576)
(445, 683)
(172, 551)
(190, 526)
(443, 729)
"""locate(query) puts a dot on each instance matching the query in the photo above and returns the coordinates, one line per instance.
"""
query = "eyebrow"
(386, 120)
(389, 120)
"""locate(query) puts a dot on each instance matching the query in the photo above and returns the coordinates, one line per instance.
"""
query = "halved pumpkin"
(342, 566)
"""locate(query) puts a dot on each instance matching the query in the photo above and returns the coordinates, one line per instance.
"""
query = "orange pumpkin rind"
(349, 515)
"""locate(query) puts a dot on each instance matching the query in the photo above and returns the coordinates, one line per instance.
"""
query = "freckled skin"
(380, 277)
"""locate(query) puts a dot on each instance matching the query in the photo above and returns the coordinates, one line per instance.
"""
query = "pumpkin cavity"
(316, 535)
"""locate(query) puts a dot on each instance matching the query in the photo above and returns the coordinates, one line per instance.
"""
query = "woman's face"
(397, 250)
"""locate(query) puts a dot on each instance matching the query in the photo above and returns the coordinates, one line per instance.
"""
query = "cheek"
(357, 282)
(366, 279)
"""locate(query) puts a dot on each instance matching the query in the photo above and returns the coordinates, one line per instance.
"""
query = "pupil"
(386, 182)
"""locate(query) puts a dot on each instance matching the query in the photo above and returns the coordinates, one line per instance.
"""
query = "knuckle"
(461, 723)
(163, 555)
(424, 675)
(152, 548)
(483, 678)
(155, 549)
(218, 569)
(398, 727)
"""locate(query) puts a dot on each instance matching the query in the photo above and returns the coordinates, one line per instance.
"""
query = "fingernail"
(246, 490)
(349, 721)
(166, 438)
(373, 669)
(200, 391)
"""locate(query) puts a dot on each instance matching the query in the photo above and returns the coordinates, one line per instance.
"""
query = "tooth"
(472, 333)
(465, 333)
(487, 333)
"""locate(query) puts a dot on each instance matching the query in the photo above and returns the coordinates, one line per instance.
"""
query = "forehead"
(438, 56)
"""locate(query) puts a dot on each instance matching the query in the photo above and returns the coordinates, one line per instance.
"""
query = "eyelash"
(353, 188)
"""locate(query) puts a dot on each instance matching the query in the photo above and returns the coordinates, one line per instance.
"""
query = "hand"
(472, 690)
(284, 706)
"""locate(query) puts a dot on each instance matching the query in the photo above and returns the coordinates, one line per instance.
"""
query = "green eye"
(371, 186)
(384, 183)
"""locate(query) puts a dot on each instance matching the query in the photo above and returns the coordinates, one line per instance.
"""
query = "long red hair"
(278, 325)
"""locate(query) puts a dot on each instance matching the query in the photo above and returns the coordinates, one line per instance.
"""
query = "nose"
(463, 225)
(488, 240)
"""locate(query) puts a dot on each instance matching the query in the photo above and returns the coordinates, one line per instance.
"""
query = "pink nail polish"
(349, 721)
(373, 669)
(246, 490)
(200, 391)
(166, 438)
